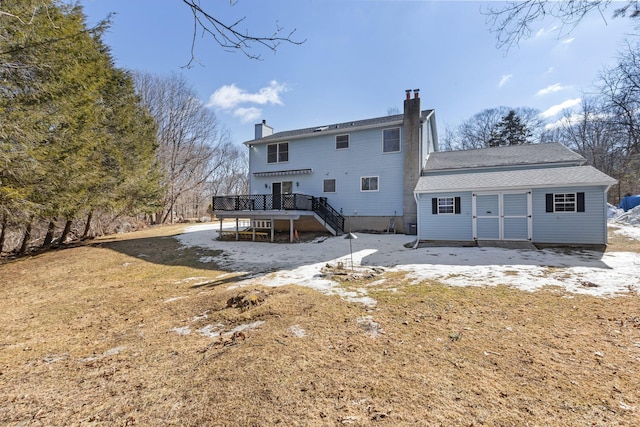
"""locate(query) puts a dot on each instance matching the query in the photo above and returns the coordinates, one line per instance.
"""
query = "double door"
(502, 216)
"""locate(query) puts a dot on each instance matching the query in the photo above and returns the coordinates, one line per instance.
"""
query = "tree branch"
(513, 21)
(230, 37)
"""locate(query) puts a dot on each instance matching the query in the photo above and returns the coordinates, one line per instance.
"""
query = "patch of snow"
(172, 299)
(245, 327)
(110, 352)
(277, 264)
(632, 216)
(613, 211)
(185, 330)
(370, 327)
(297, 331)
(211, 331)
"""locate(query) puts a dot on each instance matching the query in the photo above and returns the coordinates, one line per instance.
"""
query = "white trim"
(501, 216)
(377, 177)
(399, 150)
(348, 141)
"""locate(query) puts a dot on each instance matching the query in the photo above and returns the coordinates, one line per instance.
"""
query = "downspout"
(415, 196)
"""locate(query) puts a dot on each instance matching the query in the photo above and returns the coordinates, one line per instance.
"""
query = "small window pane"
(445, 205)
(329, 186)
(272, 153)
(391, 140)
(369, 183)
(564, 202)
(283, 155)
(342, 142)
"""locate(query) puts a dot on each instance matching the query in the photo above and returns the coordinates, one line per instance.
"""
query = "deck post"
(253, 230)
(237, 229)
(273, 228)
(290, 230)
(220, 233)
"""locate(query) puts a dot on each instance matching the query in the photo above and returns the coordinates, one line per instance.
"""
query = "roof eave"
(606, 184)
(335, 131)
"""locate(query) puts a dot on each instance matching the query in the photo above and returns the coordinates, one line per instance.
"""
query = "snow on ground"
(626, 223)
(276, 264)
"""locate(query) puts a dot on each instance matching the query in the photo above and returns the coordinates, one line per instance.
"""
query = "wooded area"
(87, 148)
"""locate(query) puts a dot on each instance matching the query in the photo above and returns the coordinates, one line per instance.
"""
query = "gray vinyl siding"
(445, 226)
(588, 227)
(364, 157)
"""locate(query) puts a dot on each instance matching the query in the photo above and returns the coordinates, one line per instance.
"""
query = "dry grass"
(87, 337)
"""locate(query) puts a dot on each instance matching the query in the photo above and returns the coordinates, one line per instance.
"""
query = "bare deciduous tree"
(513, 21)
(192, 144)
(479, 130)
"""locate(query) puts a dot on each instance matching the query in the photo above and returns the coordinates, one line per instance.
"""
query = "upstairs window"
(369, 183)
(342, 142)
(391, 140)
(565, 202)
(278, 153)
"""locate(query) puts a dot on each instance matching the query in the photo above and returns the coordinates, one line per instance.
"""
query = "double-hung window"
(278, 153)
(445, 205)
(391, 140)
(565, 202)
(342, 142)
(369, 183)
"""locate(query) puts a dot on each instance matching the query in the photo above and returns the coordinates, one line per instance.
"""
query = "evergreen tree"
(74, 137)
(510, 131)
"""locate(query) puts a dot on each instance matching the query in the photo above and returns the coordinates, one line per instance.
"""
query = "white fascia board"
(511, 188)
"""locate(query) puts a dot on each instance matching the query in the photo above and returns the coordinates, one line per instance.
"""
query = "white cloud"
(555, 109)
(543, 32)
(569, 40)
(230, 96)
(247, 115)
(556, 87)
(504, 80)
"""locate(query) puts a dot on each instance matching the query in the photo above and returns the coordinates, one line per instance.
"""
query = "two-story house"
(363, 171)
(386, 174)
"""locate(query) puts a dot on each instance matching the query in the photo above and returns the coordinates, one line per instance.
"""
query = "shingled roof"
(377, 122)
(510, 155)
(514, 179)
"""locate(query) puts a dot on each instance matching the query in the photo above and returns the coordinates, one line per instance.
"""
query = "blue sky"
(359, 57)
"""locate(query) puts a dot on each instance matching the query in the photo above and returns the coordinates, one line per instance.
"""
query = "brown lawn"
(97, 335)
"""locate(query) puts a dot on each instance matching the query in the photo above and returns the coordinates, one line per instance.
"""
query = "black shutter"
(580, 204)
(549, 198)
(456, 205)
(434, 205)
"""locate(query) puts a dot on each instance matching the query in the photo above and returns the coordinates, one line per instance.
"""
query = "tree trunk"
(87, 227)
(65, 232)
(49, 236)
(3, 233)
(25, 240)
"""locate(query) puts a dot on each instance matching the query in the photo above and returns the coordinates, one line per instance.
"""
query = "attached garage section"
(557, 205)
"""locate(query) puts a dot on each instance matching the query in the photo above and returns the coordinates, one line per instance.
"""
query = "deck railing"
(266, 202)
